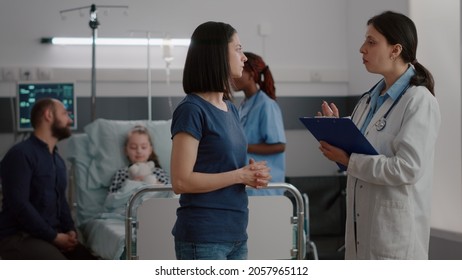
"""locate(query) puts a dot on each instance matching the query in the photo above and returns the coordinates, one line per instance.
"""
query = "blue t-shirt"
(261, 118)
(221, 215)
(34, 185)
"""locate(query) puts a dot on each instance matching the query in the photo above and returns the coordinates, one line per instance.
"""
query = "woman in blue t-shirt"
(208, 163)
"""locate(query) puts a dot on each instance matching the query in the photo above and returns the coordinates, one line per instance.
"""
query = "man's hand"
(66, 241)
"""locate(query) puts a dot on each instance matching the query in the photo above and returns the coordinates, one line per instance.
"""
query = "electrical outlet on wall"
(44, 74)
(9, 74)
(26, 74)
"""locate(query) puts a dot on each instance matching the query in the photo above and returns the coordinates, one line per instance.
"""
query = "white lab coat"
(389, 195)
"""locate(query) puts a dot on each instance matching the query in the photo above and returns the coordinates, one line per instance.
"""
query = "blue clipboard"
(339, 132)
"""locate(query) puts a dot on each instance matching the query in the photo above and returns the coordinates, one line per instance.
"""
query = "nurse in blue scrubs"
(261, 118)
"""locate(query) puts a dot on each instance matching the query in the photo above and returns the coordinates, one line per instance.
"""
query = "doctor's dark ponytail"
(399, 29)
(423, 77)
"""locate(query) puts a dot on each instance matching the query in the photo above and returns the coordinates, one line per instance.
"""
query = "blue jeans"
(211, 251)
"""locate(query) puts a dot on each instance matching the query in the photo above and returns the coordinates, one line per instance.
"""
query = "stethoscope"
(382, 122)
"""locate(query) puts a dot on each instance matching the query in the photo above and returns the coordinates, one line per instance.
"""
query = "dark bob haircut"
(207, 67)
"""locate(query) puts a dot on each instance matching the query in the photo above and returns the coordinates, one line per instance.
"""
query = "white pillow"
(106, 147)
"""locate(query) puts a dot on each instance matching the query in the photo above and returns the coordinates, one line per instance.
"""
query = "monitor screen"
(29, 92)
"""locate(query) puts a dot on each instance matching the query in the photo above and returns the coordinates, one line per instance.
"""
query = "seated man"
(35, 221)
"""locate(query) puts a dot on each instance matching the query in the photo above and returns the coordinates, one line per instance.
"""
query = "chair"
(311, 249)
(327, 212)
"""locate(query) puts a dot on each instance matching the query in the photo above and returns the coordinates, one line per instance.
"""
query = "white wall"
(440, 51)
(295, 40)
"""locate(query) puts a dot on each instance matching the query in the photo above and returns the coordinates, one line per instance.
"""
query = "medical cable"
(382, 122)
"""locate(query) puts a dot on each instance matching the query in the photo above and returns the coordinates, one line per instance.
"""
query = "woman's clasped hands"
(256, 174)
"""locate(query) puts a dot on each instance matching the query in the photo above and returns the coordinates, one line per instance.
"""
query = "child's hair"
(261, 73)
(144, 131)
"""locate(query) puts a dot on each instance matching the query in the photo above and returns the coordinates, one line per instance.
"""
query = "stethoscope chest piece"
(380, 124)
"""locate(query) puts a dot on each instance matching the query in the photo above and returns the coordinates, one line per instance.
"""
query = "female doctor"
(389, 195)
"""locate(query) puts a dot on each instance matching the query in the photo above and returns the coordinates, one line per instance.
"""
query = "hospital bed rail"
(298, 249)
(130, 220)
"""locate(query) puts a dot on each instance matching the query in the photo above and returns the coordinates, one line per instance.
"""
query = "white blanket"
(106, 237)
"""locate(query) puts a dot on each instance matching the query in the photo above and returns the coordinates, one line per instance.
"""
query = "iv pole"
(94, 26)
(168, 58)
(149, 76)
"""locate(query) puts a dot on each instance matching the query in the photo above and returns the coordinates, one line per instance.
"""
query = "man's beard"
(60, 133)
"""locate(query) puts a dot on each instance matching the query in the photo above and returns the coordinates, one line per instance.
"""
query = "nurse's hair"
(399, 29)
(261, 73)
(207, 64)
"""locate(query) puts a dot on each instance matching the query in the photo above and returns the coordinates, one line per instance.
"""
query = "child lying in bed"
(138, 148)
(106, 233)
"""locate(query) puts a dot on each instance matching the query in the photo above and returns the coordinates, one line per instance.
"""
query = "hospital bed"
(276, 224)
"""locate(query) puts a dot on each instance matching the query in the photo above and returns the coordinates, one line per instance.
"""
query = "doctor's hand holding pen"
(331, 152)
(328, 110)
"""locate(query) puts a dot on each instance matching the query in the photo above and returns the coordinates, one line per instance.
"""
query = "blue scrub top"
(261, 118)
